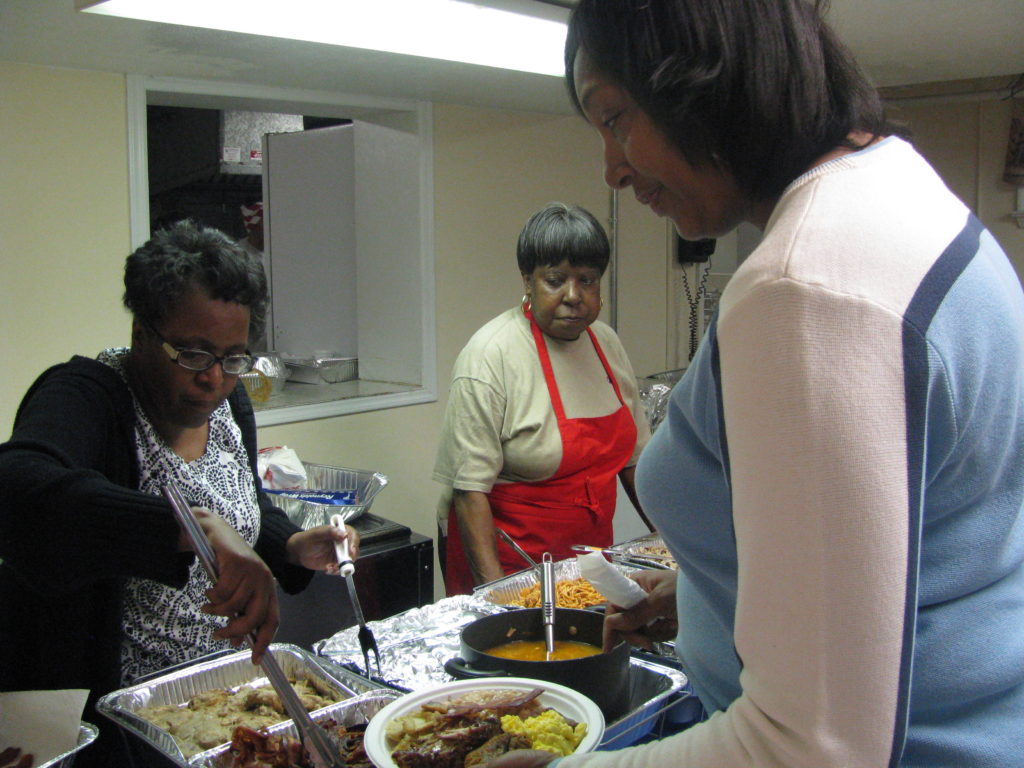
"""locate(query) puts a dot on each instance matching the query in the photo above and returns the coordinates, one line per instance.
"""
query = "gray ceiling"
(900, 42)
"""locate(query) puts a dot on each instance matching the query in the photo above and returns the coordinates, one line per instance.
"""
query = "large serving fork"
(347, 569)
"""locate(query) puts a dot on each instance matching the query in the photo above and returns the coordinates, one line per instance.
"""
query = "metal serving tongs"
(347, 569)
(519, 550)
(547, 602)
(629, 558)
(323, 749)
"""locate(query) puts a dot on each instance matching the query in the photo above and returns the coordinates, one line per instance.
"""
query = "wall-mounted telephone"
(694, 252)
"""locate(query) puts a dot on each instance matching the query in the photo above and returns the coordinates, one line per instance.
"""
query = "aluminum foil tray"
(653, 689)
(316, 370)
(87, 733)
(506, 590)
(636, 548)
(229, 671)
(321, 477)
(351, 712)
(414, 644)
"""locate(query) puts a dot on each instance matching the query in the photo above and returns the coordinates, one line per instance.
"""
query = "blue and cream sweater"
(841, 477)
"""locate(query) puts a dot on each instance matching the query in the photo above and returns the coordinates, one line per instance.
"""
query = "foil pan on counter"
(413, 645)
(507, 590)
(322, 477)
(231, 672)
(322, 368)
(87, 733)
(654, 689)
(354, 711)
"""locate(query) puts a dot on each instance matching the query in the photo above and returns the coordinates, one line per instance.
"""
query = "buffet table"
(416, 643)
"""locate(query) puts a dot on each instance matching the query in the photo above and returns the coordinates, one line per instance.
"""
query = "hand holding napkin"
(609, 581)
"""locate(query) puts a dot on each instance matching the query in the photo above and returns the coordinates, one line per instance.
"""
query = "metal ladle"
(547, 604)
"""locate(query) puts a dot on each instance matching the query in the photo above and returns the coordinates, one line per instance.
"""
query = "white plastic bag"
(280, 468)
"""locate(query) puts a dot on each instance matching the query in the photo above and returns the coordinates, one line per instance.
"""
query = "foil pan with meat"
(278, 744)
(202, 691)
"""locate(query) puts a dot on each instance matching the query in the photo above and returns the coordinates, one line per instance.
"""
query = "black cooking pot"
(603, 678)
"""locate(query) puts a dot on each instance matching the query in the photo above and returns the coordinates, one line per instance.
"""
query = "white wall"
(63, 220)
(965, 140)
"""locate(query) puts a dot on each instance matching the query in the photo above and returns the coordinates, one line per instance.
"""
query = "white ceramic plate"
(573, 705)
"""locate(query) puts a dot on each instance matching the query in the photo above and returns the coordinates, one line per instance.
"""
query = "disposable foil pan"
(231, 671)
(506, 590)
(87, 733)
(351, 712)
(317, 370)
(335, 369)
(638, 547)
(653, 689)
(322, 477)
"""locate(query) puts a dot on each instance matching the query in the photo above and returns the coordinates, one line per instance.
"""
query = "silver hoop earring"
(526, 304)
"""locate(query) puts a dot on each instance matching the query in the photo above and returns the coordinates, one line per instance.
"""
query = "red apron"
(575, 505)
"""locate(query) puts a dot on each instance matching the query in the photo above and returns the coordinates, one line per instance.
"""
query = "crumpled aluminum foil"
(655, 391)
(413, 645)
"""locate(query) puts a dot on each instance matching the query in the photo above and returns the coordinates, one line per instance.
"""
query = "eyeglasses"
(201, 360)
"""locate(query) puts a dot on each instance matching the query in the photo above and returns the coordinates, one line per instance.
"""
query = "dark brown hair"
(185, 256)
(560, 232)
(759, 88)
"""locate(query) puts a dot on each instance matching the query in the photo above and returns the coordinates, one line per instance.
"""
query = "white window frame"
(224, 95)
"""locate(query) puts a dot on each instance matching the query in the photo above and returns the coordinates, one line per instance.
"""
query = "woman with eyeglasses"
(97, 583)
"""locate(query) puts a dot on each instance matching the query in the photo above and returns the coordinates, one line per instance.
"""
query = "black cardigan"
(74, 527)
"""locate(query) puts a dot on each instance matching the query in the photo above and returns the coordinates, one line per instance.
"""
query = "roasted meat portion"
(445, 733)
(448, 745)
(495, 747)
(258, 749)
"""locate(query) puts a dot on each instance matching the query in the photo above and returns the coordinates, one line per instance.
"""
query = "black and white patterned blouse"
(163, 625)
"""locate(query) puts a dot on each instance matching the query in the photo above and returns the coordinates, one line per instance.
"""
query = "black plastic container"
(604, 678)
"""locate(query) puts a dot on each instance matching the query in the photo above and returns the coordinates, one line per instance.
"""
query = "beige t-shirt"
(500, 426)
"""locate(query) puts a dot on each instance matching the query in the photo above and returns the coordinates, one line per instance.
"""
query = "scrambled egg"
(548, 731)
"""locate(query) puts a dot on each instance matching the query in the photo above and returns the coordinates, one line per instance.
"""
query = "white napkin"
(42, 723)
(609, 580)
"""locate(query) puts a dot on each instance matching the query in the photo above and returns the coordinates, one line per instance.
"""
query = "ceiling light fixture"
(453, 30)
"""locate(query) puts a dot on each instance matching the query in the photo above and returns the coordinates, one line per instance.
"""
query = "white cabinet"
(346, 242)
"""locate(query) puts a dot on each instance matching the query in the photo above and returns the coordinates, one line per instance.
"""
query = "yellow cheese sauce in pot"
(536, 650)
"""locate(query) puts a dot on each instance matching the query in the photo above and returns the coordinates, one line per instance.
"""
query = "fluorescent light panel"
(438, 29)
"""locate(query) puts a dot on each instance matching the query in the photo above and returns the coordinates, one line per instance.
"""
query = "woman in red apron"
(562, 254)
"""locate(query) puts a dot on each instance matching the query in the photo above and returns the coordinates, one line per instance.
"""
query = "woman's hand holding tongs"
(245, 592)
